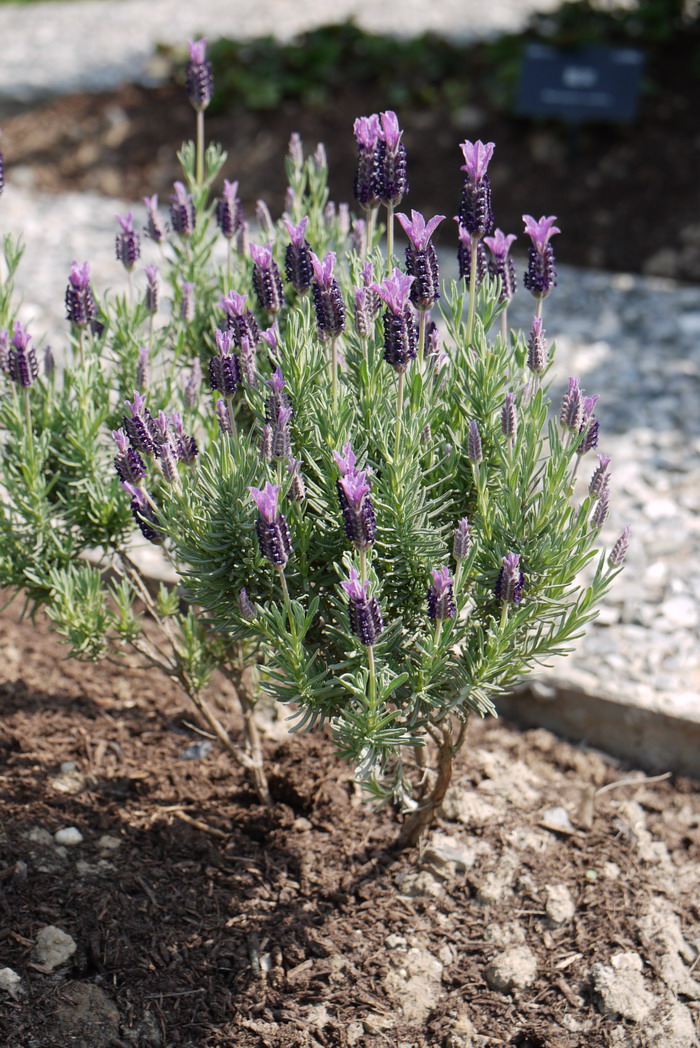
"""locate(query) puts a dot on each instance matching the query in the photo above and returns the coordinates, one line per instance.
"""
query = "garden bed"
(201, 919)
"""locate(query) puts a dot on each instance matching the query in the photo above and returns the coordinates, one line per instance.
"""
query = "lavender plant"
(372, 515)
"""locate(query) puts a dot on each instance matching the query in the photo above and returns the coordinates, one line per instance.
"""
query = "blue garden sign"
(592, 83)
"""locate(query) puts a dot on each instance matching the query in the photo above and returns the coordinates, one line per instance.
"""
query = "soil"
(204, 920)
(625, 195)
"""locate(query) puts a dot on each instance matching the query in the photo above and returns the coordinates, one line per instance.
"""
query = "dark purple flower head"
(441, 602)
(199, 77)
(477, 157)
(540, 277)
(127, 244)
(501, 265)
(368, 131)
(143, 513)
(229, 210)
(80, 301)
(474, 450)
(155, 228)
(389, 181)
(240, 321)
(571, 411)
(464, 255)
(224, 368)
(298, 266)
(462, 539)
(417, 229)
(151, 272)
(22, 364)
(619, 550)
(589, 429)
(271, 527)
(365, 617)
(182, 213)
(267, 281)
(328, 300)
(537, 347)
(601, 478)
(141, 428)
(510, 582)
(509, 417)
(356, 507)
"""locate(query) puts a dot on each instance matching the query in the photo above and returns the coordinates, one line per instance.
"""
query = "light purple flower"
(367, 131)
(266, 500)
(395, 290)
(477, 156)
(323, 270)
(391, 132)
(417, 229)
(296, 233)
(541, 230)
(355, 487)
(355, 589)
(499, 244)
(262, 256)
(198, 50)
(345, 461)
(233, 304)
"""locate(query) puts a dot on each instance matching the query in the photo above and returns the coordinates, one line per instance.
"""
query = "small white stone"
(514, 969)
(69, 836)
(557, 819)
(109, 843)
(53, 947)
(10, 981)
(559, 905)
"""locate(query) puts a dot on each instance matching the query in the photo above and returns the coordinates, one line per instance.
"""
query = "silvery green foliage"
(63, 501)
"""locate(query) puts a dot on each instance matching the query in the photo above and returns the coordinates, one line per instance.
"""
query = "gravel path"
(45, 51)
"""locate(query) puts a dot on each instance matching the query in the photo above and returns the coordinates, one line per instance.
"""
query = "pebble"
(514, 969)
(69, 836)
(559, 904)
(53, 947)
(557, 819)
(10, 981)
(621, 990)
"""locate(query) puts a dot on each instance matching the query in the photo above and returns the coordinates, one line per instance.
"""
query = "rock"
(70, 836)
(417, 984)
(557, 820)
(461, 804)
(53, 947)
(108, 843)
(10, 981)
(449, 854)
(559, 905)
(661, 926)
(514, 969)
(38, 835)
(621, 990)
(86, 1017)
(506, 934)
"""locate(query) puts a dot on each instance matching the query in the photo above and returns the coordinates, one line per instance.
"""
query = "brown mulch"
(625, 196)
(216, 922)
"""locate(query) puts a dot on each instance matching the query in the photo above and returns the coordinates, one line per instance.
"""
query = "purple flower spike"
(619, 550)
(261, 256)
(345, 461)
(474, 450)
(155, 228)
(367, 131)
(276, 383)
(298, 266)
(395, 290)
(540, 277)
(421, 259)
(240, 321)
(510, 582)
(357, 509)
(323, 270)
(80, 301)
(389, 180)
(441, 602)
(297, 487)
(151, 272)
(245, 605)
(297, 234)
(601, 478)
(501, 265)
(391, 132)
(462, 540)
(127, 244)
(199, 77)
(537, 354)
(509, 417)
(229, 210)
(22, 364)
(477, 157)
(600, 512)
(182, 212)
(141, 428)
(365, 617)
(266, 500)
(267, 281)
(328, 300)
(368, 134)
(464, 255)
(143, 513)
(571, 412)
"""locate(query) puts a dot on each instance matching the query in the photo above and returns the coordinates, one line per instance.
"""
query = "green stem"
(372, 684)
(81, 345)
(230, 416)
(199, 164)
(369, 230)
(504, 614)
(504, 326)
(334, 373)
(363, 565)
(422, 325)
(389, 236)
(538, 308)
(472, 289)
(28, 425)
(399, 412)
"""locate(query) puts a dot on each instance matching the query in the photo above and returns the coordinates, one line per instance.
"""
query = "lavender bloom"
(474, 451)
(297, 487)
(345, 460)
(464, 256)
(277, 400)
(224, 368)
(589, 430)
(248, 362)
(619, 550)
(266, 443)
(358, 240)
(364, 317)
(229, 210)
(365, 617)
(509, 417)
(182, 213)
(49, 362)
(245, 605)
(421, 259)
(127, 462)
(271, 527)
(267, 281)
(187, 302)
(22, 365)
(297, 258)
(537, 348)
(271, 336)
(367, 130)
(151, 272)
(319, 158)
(357, 509)
(391, 183)
(601, 478)
(127, 243)
(540, 277)
(510, 582)
(571, 412)
(80, 302)
(262, 213)
(222, 416)
(239, 320)
(462, 540)
(343, 219)
(600, 511)
(441, 602)
(281, 439)
(143, 371)
(475, 209)
(295, 150)
(199, 77)
(501, 265)
(400, 328)
(155, 228)
(140, 426)
(167, 462)
(143, 514)
(185, 446)
(328, 300)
